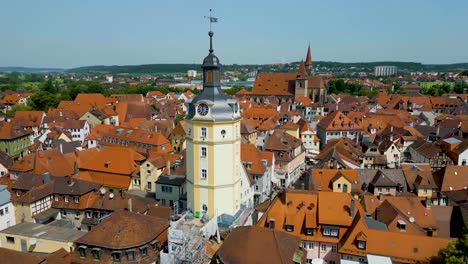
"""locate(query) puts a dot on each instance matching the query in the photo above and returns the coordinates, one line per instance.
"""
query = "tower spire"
(308, 62)
(301, 72)
(308, 57)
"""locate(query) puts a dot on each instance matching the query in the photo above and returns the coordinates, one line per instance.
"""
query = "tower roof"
(301, 72)
(211, 61)
(221, 106)
(308, 61)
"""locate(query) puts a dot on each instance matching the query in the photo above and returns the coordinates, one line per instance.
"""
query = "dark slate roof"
(374, 224)
(28, 181)
(395, 175)
(67, 147)
(380, 179)
(62, 185)
(426, 149)
(170, 180)
(6, 160)
(432, 131)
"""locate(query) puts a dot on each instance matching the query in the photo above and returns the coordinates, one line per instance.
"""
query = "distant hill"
(181, 68)
(30, 70)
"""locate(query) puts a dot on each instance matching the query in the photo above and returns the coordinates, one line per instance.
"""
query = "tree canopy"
(457, 251)
(338, 86)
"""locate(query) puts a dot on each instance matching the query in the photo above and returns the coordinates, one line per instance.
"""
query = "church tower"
(213, 146)
(308, 62)
(302, 82)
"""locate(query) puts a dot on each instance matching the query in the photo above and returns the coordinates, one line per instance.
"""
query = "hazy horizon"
(58, 34)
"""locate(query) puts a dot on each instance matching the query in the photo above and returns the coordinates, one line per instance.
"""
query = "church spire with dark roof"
(308, 62)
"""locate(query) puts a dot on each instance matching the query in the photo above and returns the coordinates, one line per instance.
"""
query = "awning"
(373, 259)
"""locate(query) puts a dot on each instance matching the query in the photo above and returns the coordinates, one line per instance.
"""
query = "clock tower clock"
(213, 146)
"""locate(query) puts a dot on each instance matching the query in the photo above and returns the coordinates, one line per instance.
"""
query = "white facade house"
(463, 158)
(7, 210)
(385, 70)
(109, 79)
(79, 129)
(3, 169)
(192, 73)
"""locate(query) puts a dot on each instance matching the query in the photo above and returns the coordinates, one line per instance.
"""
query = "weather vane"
(211, 19)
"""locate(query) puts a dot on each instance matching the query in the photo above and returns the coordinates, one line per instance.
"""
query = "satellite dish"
(111, 195)
(411, 219)
(32, 241)
(102, 190)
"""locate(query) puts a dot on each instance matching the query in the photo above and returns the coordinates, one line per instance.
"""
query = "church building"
(216, 180)
(289, 86)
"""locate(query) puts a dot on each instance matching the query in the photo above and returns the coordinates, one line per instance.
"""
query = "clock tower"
(213, 146)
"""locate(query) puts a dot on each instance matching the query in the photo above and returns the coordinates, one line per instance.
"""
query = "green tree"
(459, 88)
(14, 80)
(17, 107)
(50, 87)
(457, 251)
(43, 100)
(178, 118)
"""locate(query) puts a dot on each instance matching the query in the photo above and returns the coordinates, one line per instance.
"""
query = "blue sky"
(70, 33)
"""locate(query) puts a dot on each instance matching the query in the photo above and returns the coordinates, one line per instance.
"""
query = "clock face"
(202, 109)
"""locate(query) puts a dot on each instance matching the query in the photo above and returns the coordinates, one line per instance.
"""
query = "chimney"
(130, 205)
(351, 209)
(75, 168)
(61, 148)
(302, 186)
(391, 133)
(69, 180)
(438, 131)
(381, 197)
(168, 167)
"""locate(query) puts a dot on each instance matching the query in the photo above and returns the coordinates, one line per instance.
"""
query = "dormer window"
(116, 256)
(96, 253)
(289, 228)
(309, 231)
(401, 225)
(249, 165)
(82, 250)
(361, 244)
(76, 199)
(330, 231)
(66, 198)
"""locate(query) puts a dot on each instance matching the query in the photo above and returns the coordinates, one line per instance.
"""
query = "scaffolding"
(187, 238)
